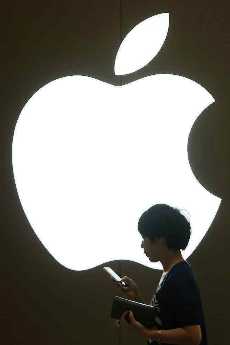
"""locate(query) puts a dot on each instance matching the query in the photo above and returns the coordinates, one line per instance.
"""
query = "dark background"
(41, 301)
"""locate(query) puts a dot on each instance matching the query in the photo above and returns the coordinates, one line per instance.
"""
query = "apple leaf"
(141, 44)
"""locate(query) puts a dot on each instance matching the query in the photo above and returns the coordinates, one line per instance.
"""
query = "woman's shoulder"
(180, 284)
(181, 273)
(182, 266)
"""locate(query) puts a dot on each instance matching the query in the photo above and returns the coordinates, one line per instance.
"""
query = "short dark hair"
(164, 221)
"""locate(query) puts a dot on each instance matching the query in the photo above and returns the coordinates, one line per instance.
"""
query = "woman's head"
(165, 222)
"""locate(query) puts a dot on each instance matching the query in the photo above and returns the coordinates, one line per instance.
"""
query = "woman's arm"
(189, 335)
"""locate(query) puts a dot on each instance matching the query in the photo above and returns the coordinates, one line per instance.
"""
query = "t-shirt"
(177, 300)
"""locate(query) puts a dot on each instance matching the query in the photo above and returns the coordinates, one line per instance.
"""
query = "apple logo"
(89, 157)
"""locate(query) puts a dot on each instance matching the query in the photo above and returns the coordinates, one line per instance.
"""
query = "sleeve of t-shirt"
(184, 302)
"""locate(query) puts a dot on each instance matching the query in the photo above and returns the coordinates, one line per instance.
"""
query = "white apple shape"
(89, 157)
(141, 44)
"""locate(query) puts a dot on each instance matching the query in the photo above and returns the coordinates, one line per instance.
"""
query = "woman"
(165, 232)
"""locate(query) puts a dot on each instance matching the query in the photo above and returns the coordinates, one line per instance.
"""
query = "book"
(144, 313)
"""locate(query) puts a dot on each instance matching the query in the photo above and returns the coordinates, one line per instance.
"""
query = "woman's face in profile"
(152, 248)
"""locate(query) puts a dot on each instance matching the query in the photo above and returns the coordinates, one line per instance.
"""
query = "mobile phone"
(114, 276)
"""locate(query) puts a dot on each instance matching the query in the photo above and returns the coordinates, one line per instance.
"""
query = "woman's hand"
(129, 318)
(131, 289)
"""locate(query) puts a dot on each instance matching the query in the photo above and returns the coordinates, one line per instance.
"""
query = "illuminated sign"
(89, 157)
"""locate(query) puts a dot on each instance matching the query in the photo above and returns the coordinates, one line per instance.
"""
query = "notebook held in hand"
(144, 313)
